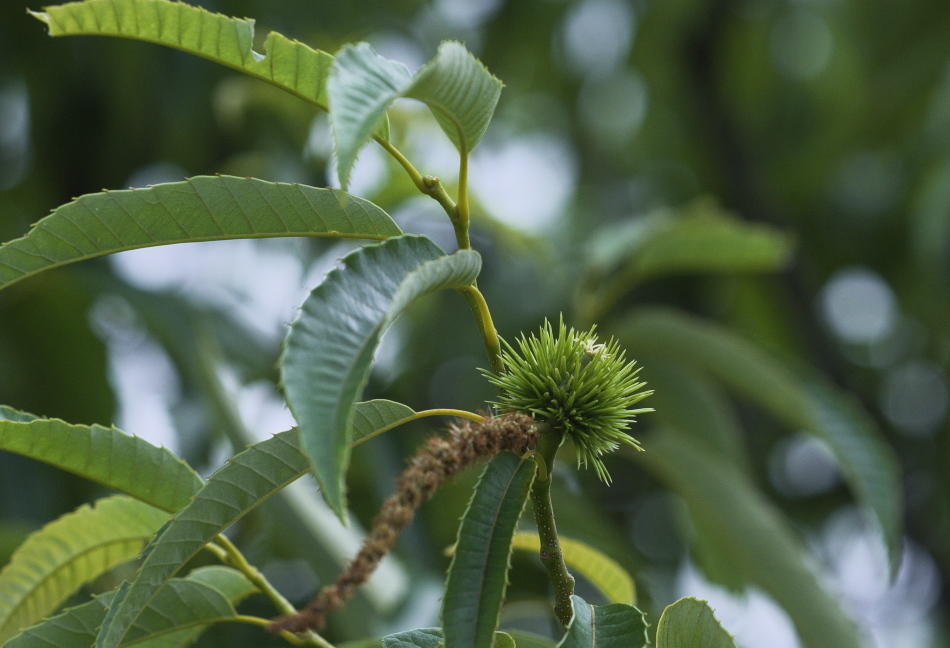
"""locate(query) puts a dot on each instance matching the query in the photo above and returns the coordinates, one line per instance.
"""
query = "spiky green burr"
(583, 388)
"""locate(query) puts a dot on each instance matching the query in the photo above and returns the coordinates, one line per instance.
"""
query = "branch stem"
(479, 307)
(552, 557)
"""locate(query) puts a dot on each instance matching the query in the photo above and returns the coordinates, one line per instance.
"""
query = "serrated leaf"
(802, 400)
(699, 238)
(327, 355)
(456, 87)
(108, 456)
(207, 595)
(598, 568)
(287, 64)
(369, 417)
(605, 626)
(204, 208)
(751, 534)
(478, 575)
(16, 416)
(245, 481)
(690, 623)
(54, 562)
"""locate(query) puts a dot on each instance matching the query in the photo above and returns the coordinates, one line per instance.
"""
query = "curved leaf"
(107, 456)
(204, 208)
(699, 238)
(207, 595)
(601, 570)
(750, 535)
(10, 414)
(803, 401)
(245, 481)
(57, 560)
(690, 623)
(432, 638)
(288, 64)
(478, 575)
(369, 417)
(327, 355)
(607, 626)
(457, 88)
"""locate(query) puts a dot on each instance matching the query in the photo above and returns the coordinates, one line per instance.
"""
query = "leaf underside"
(203, 208)
(456, 87)
(328, 353)
(57, 560)
(478, 575)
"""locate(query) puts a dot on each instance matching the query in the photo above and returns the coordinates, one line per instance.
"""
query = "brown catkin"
(439, 459)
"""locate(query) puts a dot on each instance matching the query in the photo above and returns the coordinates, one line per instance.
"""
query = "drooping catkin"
(439, 459)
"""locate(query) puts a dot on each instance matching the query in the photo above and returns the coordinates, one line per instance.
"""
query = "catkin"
(439, 459)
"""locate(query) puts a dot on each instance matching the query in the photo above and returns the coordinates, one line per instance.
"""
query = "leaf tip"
(42, 16)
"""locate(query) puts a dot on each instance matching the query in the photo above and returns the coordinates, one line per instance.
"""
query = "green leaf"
(700, 238)
(245, 481)
(105, 455)
(327, 355)
(288, 64)
(802, 400)
(57, 560)
(750, 535)
(689, 623)
(432, 638)
(10, 414)
(376, 416)
(607, 626)
(601, 570)
(207, 595)
(456, 87)
(204, 208)
(478, 575)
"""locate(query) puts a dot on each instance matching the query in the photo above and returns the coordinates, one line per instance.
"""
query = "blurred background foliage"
(826, 120)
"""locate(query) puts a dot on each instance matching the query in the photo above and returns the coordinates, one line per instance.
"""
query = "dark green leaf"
(327, 356)
(689, 623)
(607, 626)
(370, 417)
(432, 638)
(204, 208)
(478, 575)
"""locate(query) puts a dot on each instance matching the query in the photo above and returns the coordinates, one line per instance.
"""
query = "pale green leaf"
(245, 481)
(107, 456)
(183, 610)
(288, 64)
(456, 87)
(327, 355)
(601, 570)
(606, 626)
(204, 208)
(478, 575)
(54, 562)
(10, 414)
(802, 400)
(690, 623)
(751, 535)
(371, 417)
